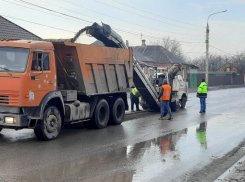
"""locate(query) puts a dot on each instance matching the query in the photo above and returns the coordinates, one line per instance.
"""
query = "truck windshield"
(13, 59)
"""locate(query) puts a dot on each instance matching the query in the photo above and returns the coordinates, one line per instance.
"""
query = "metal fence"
(216, 79)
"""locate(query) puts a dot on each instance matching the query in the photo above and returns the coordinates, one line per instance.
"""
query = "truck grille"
(9, 97)
(4, 99)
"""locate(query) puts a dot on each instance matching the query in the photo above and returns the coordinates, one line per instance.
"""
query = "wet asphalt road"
(143, 148)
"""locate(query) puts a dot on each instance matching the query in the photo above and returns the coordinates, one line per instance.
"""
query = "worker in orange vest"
(164, 96)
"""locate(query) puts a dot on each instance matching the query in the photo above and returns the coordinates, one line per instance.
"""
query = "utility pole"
(207, 54)
(207, 47)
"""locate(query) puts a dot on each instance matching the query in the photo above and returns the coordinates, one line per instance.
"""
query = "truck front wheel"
(101, 114)
(49, 127)
(117, 112)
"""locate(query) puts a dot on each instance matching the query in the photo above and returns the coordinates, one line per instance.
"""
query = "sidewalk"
(234, 173)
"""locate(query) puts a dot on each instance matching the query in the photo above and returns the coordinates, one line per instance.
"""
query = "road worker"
(164, 96)
(134, 97)
(202, 94)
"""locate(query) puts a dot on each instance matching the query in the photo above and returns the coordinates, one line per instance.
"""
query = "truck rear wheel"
(117, 112)
(101, 114)
(49, 127)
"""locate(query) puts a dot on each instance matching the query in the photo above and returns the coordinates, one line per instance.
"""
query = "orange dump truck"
(44, 85)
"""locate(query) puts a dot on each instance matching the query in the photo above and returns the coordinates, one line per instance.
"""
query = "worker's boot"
(170, 118)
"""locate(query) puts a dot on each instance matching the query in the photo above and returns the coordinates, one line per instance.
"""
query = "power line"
(90, 21)
(157, 37)
(44, 12)
(110, 17)
(155, 14)
(55, 11)
(193, 53)
(195, 45)
(221, 50)
(223, 45)
(196, 52)
(94, 17)
(75, 32)
(38, 23)
(77, 18)
(146, 16)
(221, 40)
(77, 5)
(46, 25)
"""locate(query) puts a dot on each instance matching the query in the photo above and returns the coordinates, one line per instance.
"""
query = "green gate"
(192, 80)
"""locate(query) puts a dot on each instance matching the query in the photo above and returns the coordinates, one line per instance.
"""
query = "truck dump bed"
(93, 70)
(111, 39)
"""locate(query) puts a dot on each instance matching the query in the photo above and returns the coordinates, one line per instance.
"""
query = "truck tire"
(101, 114)
(145, 106)
(117, 112)
(49, 127)
(173, 106)
(183, 102)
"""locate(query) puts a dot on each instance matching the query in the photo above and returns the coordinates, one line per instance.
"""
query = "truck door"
(42, 77)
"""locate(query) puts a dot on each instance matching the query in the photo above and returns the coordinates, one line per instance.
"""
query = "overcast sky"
(152, 20)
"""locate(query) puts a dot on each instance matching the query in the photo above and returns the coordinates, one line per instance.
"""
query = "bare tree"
(172, 46)
(239, 59)
(215, 62)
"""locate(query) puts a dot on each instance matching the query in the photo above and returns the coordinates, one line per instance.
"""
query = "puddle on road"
(166, 157)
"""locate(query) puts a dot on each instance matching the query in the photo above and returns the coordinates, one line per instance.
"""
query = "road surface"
(191, 147)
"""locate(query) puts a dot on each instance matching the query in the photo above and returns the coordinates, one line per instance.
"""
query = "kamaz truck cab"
(26, 76)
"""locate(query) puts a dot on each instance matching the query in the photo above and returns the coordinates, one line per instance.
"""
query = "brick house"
(231, 68)
(227, 74)
(228, 67)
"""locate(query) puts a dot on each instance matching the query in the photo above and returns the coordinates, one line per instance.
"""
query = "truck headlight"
(10, 120)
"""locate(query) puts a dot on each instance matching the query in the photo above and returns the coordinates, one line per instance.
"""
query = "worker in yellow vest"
(202, 92)
(134, 97)
(164, 96)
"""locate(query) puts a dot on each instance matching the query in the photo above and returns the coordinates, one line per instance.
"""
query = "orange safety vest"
(166, 92)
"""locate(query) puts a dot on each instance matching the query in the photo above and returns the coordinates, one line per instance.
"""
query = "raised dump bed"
(93, 70)
(111, 39)
(147, 91)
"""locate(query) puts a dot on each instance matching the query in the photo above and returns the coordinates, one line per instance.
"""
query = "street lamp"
(207, 46)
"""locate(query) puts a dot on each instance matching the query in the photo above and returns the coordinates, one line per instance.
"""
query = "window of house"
(40, 62)
(228, 69)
